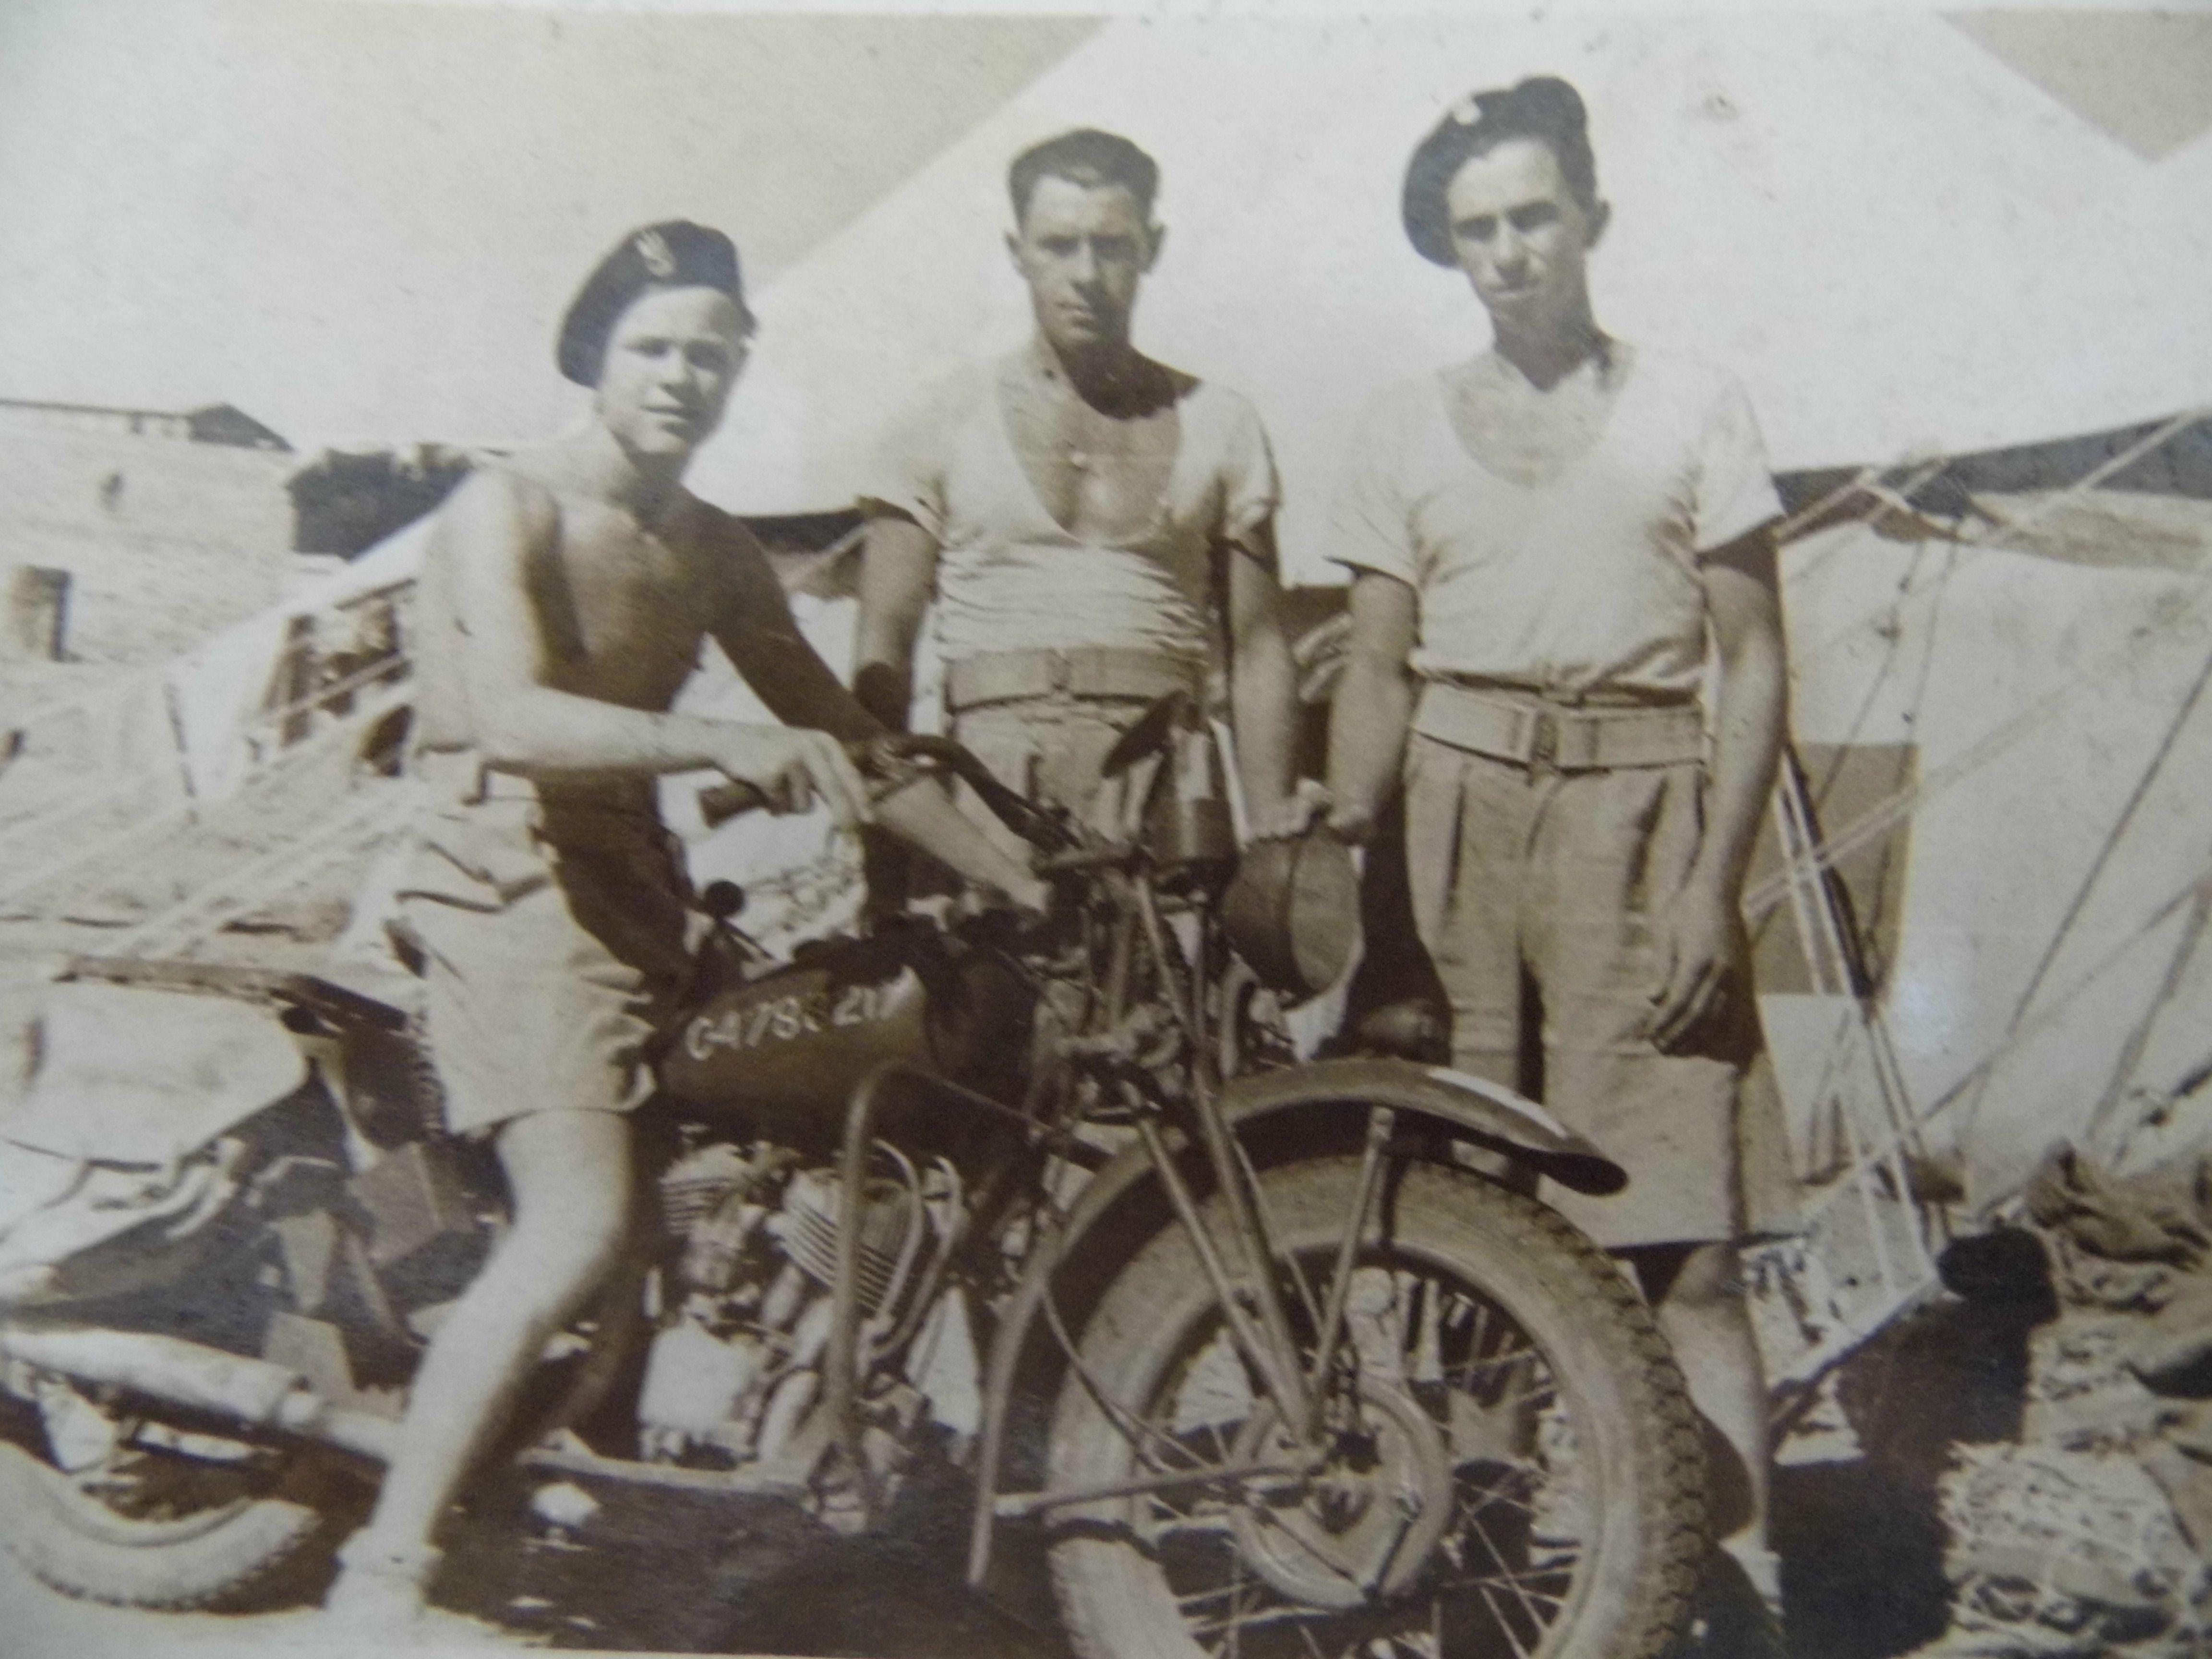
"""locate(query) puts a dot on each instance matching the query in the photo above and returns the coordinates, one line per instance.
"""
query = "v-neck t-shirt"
(1577, 579)
(1011, 578)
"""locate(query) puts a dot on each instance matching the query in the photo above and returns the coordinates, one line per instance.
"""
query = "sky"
(358, 220)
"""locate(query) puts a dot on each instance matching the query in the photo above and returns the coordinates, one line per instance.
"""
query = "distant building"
(127, 535)
(216, 423)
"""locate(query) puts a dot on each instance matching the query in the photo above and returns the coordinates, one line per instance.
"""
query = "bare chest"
(621, 611)
(1100, 478)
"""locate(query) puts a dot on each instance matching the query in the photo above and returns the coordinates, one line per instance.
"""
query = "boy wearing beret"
(1083, 516)
(1545, 545)
(564, 598)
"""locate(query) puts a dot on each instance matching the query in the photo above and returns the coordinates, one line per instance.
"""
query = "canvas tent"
(1899, 241)
(1909, 250)
(1903, 243)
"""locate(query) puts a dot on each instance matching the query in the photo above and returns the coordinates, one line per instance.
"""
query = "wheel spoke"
(1525, 1592)
(1286, 1568)
(1507, 1578)
(1282, 1614)
(1475, 1502)
(1505, 1624)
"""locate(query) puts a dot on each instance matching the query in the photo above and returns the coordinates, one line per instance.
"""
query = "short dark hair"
(1542, 107)
(1084, 156)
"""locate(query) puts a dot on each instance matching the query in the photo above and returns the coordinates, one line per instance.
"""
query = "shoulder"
(1686, 379)
(1209, 410)
(1212, 401)
(726, 544)
(719, 528)
(498, 498)
(916, 444)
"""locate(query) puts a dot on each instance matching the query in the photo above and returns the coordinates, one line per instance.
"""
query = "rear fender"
(1451, 1105)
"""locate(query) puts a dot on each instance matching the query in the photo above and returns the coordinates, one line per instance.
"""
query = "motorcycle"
(1265, 1357)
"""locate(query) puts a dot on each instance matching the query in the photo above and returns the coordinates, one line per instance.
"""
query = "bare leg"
(569, 1176)
(1702, 1313)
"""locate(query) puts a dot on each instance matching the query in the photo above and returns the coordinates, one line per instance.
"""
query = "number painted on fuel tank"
(785, 1019)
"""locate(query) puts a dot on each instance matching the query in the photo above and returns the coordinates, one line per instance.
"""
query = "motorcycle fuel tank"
(792, 1047)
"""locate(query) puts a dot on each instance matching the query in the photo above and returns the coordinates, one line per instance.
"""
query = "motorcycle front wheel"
(1508, 1463)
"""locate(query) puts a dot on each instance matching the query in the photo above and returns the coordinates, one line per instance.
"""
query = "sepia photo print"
(1178, 833)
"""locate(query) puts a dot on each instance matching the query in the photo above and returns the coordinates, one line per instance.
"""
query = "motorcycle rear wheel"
(1517, 1423)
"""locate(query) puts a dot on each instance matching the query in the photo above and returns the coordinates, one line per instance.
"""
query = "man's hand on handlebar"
(786, 769)
(790, 768)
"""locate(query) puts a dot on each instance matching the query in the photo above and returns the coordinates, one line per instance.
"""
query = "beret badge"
(653, 253)
(676, 252)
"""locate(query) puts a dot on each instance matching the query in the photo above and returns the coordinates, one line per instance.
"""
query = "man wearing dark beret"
(1566, 648)
(564, 598)
(1093, 526)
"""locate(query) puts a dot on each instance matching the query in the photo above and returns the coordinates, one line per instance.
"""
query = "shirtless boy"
(564, 600)
(1080, 514)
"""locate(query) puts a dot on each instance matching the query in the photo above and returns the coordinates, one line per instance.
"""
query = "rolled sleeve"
(1251, 488)
(1735, 491)
(1370, 526)
(907, 473)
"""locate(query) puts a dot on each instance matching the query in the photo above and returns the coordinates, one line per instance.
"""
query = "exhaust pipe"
(251, 1391)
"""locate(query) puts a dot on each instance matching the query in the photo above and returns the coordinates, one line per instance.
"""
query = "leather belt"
(1089, 671)
(1532, 731)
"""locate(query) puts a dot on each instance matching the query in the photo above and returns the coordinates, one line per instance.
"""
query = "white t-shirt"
(1586, 581)
(1010, 578)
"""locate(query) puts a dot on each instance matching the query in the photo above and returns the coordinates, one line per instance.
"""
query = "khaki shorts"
(1049, 748)
(553, 946)
(1548, 882)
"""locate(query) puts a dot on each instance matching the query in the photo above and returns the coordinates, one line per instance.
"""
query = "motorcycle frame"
(1440, 1106)
(1434, 1105)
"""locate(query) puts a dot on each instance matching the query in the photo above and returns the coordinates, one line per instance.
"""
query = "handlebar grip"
(720, 802)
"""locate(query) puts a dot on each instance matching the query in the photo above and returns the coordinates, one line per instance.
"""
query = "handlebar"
(887, 763)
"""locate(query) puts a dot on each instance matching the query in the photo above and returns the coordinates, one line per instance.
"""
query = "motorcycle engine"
(746, 1309)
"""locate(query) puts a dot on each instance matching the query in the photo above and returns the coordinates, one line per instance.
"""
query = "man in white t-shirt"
(1546, 543)
(1096, 528)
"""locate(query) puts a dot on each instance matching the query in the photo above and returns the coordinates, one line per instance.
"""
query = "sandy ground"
(658, 1571)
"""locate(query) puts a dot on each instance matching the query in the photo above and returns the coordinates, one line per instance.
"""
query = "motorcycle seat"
(332, 1003)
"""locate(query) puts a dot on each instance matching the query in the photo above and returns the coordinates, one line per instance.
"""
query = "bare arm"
(1750, 714)
(754, 626)
(758, 632)
(924, 815)
(1750, 709)
(898, 572)
(483, 559)
(1374, 703)
(1263, 687)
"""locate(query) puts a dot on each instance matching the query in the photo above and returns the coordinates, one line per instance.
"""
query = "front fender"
(1468, 1108)
(1462, 1107)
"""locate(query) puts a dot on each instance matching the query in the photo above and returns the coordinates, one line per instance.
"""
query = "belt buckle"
(1060, 668)
(1543, 741)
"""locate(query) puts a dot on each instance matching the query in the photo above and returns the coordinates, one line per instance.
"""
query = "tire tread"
(1668, 1456)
